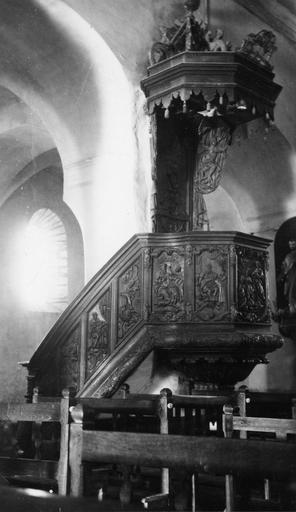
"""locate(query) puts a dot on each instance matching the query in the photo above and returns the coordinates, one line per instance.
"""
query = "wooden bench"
(18, 469)
(183, 413)
(196, 454)
(280, 428)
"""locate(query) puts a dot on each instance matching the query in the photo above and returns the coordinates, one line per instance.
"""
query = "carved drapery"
(214, 139)
(98, 333)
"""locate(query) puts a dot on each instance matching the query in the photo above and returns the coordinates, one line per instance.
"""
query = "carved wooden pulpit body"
(196, 298)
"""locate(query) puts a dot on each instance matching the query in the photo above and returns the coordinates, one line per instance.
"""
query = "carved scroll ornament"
(209, 165)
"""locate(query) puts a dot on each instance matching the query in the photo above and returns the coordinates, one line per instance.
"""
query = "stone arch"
(64, 71)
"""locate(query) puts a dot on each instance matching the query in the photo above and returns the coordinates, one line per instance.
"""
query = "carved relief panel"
(170, 202)
(252, 300)
(69, 357)
(168, 286)
(211, 283)
(98, 332)
(129, 299)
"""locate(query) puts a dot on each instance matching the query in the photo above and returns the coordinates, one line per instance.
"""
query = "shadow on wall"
(259, 175)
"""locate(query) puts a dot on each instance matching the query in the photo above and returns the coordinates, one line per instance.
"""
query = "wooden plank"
(97, 405)
(204, 454)
(38, 412)
(28, 469)
(274, 14)
(192, 401)
(271, 397)
(253, 424)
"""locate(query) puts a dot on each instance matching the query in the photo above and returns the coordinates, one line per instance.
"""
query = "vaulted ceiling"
(280, 15)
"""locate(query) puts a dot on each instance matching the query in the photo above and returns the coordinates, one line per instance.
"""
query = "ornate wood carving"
(252, 300)
(69, 358)
(189, 33)
(210, 160)
(168, 286)
(199, 288)
(211, 283)
(259, 47)
(130, 295)
(98, 333)
(169, 211)
(130, 359)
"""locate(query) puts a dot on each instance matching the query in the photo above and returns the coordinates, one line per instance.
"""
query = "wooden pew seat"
(20, 469)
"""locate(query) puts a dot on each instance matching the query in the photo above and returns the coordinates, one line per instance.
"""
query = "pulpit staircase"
(198, 300)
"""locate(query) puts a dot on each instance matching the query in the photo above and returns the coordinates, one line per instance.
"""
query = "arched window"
(43, 281)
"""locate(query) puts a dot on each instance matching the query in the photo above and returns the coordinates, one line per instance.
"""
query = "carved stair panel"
(98, 333)
(69, 360)
(130, 299)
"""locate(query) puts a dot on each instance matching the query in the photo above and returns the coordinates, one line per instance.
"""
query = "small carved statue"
(216, 44)
(260, 46)
(288, 276)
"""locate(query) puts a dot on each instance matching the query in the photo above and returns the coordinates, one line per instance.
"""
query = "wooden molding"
(277, 16)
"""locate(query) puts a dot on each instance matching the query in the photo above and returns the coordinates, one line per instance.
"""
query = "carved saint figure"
(288, 276)
(98, 339)
(210, 286)
(169, 285)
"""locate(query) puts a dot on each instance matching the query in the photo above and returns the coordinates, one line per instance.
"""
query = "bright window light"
(43, 275)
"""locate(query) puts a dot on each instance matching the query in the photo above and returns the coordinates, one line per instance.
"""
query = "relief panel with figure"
(252, 300)
(69, 357)
(129, 299)
(168, 286)
(211, 283)
(98, 333)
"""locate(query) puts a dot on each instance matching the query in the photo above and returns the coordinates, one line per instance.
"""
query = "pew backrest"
(280, 427)
(36, 414)
(201, 454)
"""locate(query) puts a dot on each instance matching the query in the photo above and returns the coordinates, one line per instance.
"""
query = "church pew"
(182, 414)
(34, 471)
(280, 427)
(201, 454)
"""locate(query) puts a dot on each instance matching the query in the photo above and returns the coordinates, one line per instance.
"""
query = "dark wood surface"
(29, 419)
(97, 371)
(26, 500)
(207, 455)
